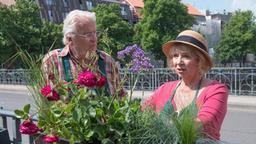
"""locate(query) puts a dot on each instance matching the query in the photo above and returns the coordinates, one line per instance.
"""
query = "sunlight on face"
(184, 61)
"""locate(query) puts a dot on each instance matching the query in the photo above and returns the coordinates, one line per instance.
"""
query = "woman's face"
(184, 62)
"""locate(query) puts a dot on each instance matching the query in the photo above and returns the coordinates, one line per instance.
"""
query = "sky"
(220, 5)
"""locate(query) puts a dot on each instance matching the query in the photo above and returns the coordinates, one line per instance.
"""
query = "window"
(123, 12)
(49, 2)
(81, 5)
(50, 14)
(64, 14)
(89, 5)
(65, 3)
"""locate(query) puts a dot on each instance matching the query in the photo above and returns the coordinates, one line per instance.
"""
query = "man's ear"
(69, 39)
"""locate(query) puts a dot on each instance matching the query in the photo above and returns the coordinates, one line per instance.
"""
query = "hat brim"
(167, 46)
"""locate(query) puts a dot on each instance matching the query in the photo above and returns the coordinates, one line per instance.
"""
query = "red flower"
(87, 78)
(51, 76)
(49, 93)
(101, 82)
(54, 96)
(45, 91)
(28, 127)
(50, 138)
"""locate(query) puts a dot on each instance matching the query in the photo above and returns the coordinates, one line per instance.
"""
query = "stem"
(112, 100)
(133, 87)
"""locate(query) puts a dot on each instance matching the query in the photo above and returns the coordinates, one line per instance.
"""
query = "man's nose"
(93, 38)
(179, 59)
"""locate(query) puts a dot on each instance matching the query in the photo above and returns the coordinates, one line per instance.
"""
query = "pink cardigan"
(212, 105)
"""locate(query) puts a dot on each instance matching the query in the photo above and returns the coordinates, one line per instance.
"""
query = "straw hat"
(193, 39)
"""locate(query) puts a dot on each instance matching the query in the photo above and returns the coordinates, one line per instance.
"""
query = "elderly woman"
(188, 57)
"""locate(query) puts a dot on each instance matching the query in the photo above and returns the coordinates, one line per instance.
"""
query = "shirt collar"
(65, 51)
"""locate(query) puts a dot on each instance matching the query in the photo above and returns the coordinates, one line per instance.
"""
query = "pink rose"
(50, 138)
(45, 91)
(28, 127)
(49, 93)
(87, 78)
(101, 82)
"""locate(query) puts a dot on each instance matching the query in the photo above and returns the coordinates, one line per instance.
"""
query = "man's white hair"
(69, 25)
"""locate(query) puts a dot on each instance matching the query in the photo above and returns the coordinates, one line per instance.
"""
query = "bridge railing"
(11, 123)
(240, 80)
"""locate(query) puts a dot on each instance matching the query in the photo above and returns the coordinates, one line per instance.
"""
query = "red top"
(212, 105)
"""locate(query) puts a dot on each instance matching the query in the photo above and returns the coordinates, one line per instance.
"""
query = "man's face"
(85, 40)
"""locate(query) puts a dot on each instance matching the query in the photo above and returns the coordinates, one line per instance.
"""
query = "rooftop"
(193, 11)
(136, 3)
(7, 2)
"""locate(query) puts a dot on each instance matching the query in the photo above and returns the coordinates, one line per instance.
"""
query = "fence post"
(4, 136)
(16, 133)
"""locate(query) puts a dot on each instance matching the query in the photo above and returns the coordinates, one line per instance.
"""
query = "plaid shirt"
(54, 60)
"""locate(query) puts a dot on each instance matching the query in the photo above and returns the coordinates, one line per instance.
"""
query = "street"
(238, 126)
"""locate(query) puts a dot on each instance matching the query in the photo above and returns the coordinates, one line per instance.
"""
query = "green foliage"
(22, 28)
(148, 127)
(162, 21)
(238, 38)
(115, 32)
(87, 115)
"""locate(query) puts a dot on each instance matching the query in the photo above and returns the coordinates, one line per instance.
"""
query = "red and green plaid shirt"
(54, 60)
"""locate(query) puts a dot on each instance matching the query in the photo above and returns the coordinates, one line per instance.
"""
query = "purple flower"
(139, 61)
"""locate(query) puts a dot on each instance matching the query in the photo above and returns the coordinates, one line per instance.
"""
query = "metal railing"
(240, 81)
(10, 122)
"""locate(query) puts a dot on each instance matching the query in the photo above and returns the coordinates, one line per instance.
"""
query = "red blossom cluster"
(87, 79)
(30, 128)
(50, 93)
(90, 80)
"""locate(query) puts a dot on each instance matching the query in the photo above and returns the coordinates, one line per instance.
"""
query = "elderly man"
(80, 53)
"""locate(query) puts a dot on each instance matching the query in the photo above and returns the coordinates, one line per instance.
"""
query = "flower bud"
(50, 138)
(101, 82)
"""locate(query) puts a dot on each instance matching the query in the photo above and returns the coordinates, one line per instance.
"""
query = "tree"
(162, 21)
(115, 32)
(22, 28)
(238, 37)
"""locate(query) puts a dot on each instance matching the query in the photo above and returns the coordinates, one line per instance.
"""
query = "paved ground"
(237, 127)
(233, 100)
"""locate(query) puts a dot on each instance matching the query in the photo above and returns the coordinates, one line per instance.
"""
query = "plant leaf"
(26, 108)
(19, 113)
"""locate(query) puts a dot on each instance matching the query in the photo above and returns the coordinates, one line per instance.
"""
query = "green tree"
(238, 38)
(115, 32)
(162, 21)
(22, 28)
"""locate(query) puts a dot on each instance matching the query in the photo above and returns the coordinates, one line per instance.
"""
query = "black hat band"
(193, 41)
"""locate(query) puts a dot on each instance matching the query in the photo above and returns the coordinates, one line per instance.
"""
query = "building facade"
(56, 10)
